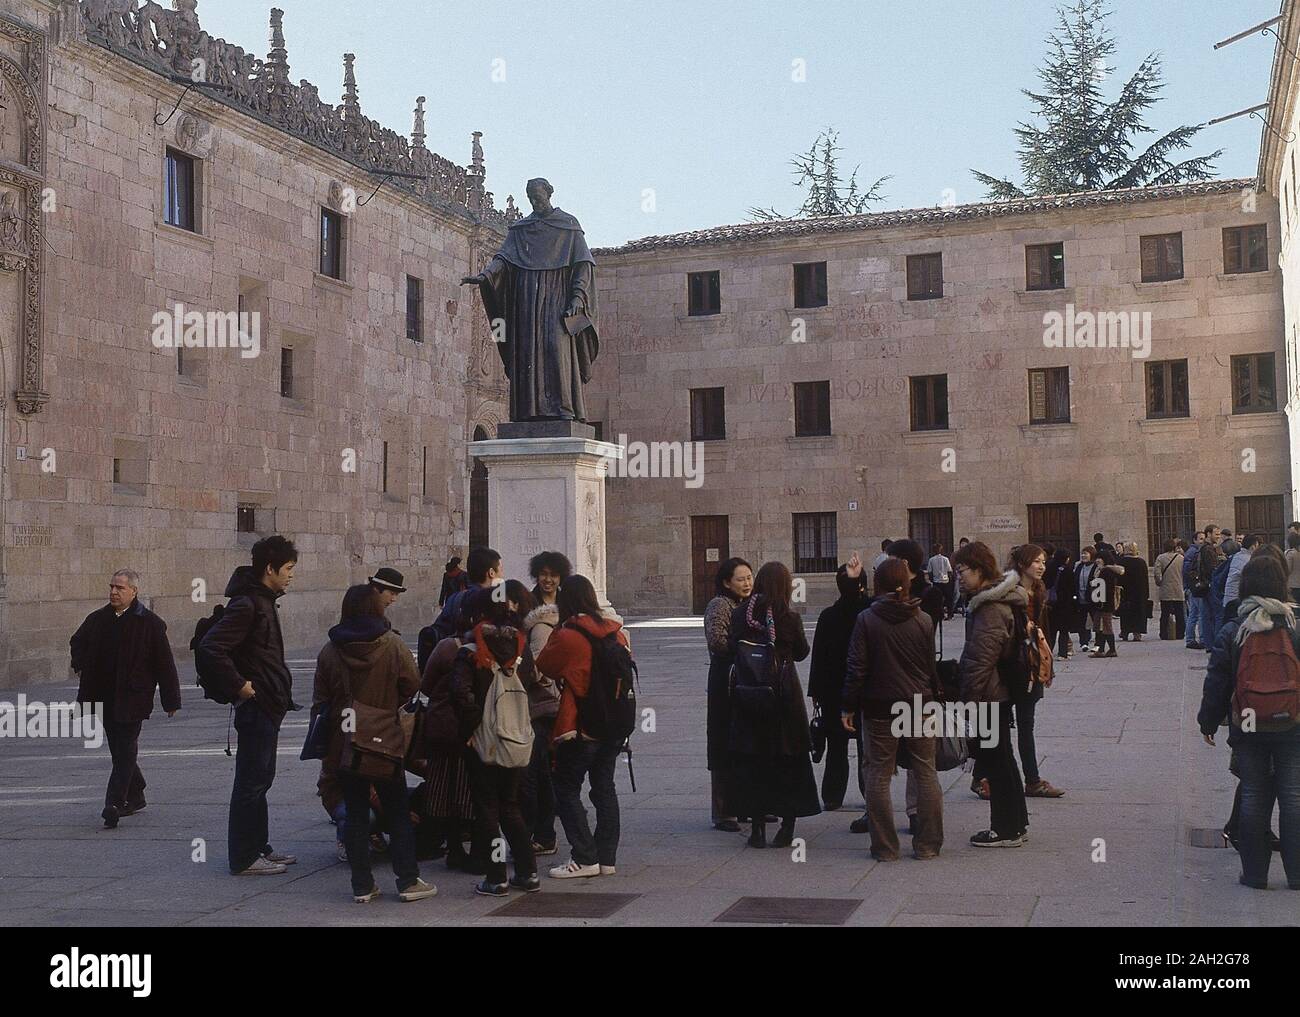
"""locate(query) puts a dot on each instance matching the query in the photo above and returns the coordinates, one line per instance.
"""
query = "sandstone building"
(347, 431)
(868, 377)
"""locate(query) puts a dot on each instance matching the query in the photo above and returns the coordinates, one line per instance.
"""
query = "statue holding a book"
(539, 292)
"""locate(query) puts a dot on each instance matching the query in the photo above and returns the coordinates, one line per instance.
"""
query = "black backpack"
(608, 711)
(1019, 669)
(212, 688)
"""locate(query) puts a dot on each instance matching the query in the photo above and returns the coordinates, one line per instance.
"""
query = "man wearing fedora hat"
(389, 584)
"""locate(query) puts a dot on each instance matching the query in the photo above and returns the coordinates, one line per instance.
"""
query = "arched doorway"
(478, 496)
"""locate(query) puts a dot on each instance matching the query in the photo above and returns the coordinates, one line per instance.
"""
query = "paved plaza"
(1117, 734)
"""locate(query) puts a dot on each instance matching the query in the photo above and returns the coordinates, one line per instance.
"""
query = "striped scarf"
(768, 623)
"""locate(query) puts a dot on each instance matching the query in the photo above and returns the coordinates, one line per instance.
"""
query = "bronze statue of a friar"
(539, 291)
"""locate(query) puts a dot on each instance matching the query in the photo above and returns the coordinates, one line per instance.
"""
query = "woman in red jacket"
(578, 756)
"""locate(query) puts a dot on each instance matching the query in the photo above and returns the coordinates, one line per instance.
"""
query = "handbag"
(316, 744)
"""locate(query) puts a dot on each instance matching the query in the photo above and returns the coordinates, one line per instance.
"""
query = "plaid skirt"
(446, 793)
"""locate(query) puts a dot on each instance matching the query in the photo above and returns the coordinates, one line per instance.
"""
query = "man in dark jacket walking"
(244, 652)
(830, 651)
(121, 655)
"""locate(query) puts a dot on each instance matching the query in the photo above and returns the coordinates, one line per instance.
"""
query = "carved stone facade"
(120, 453)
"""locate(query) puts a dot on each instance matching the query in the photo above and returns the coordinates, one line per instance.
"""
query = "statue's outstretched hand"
(471, 280)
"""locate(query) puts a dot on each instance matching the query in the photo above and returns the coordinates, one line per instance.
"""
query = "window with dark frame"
(816, 544)
(179, 206)
(383, 476)
(246, 519)
(1254, 383)
(703, 293)
(1162, 257)
(286, 372)
(810, 284)
(1167, 389)
(1044, 266)
(930, 402)
(928, 526)
(924, 276)
(1049, 395)
(117, 470)
(1245, 249)
(414, 308)
(812, 409)
(708, 414)
(1168, 519)
(331, 244)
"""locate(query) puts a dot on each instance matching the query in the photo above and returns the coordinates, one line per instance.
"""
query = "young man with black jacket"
(244, 650)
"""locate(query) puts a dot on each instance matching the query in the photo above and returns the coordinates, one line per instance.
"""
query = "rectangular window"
(1245, 249)
(815, 542)
(1167, 389)
(1044, 266)
(1261, 514)
(1162, 257)
(1167, 520)
(704, 293)
(930, 402)
(383, 477)
(812, 408)
(1049, 395)
(810, 284)
(179, 209)
(331, 244)
(924, 276)
(246, 519)
(117, 470)
(180, 360)
(414, 308)
(286, 371)
(708, 414)
(1254, 388)
(930, 526)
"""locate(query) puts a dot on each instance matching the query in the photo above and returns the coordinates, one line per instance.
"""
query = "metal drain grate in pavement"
(1200, 837)
(790, 911)
(564, 905)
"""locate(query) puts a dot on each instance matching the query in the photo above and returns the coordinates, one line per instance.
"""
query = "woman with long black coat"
(733, 583)
(771, 767)
(1135, 588)
(1062, 603)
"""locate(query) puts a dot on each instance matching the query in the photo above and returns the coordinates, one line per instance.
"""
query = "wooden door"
(709, 549)
(1056, 524)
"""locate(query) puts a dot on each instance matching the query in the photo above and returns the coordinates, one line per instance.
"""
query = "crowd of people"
(879, 647)
(520, 695)
(521, 699)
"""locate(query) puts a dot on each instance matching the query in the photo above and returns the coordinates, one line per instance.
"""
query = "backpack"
(1268, 681)
(211, 685)
(1203, 571)
(504, 736)
(607, 712)
(1030, 660)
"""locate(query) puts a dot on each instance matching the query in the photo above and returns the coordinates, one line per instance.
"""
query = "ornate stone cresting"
(168, 41)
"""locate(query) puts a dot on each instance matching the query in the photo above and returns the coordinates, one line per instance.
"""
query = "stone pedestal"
(548, 494)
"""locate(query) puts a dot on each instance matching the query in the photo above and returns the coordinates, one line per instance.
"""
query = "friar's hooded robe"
(542, 266)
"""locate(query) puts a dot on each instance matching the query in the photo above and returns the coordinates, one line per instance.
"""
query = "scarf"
(768, 623)
(1256, 615)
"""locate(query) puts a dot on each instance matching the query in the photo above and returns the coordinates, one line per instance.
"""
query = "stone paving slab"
(1118, 734)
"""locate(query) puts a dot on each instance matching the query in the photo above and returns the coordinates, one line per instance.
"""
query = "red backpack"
(1268, 681)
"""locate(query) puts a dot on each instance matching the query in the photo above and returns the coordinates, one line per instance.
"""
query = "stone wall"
(985, 333)
(192, 447)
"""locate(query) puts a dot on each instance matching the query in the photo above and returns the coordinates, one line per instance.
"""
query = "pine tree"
(817, 169)
(1085, 143)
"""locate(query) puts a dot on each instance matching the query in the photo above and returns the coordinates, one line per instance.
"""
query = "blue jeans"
(575, 760)
(401, 835)
(1195, 623)
(1269, 766)
(247, 832)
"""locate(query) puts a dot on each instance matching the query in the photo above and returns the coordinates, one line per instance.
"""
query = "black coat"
(246, 644)
(143, 662)
(1135, 587)
(830, 648)
(791, 645)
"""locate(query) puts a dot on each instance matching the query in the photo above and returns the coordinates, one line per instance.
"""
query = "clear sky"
(695, 100)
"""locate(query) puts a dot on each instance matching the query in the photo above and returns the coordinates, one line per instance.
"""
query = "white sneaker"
(418, 890)
(575, 870)
(261, 867)
(607, 870)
